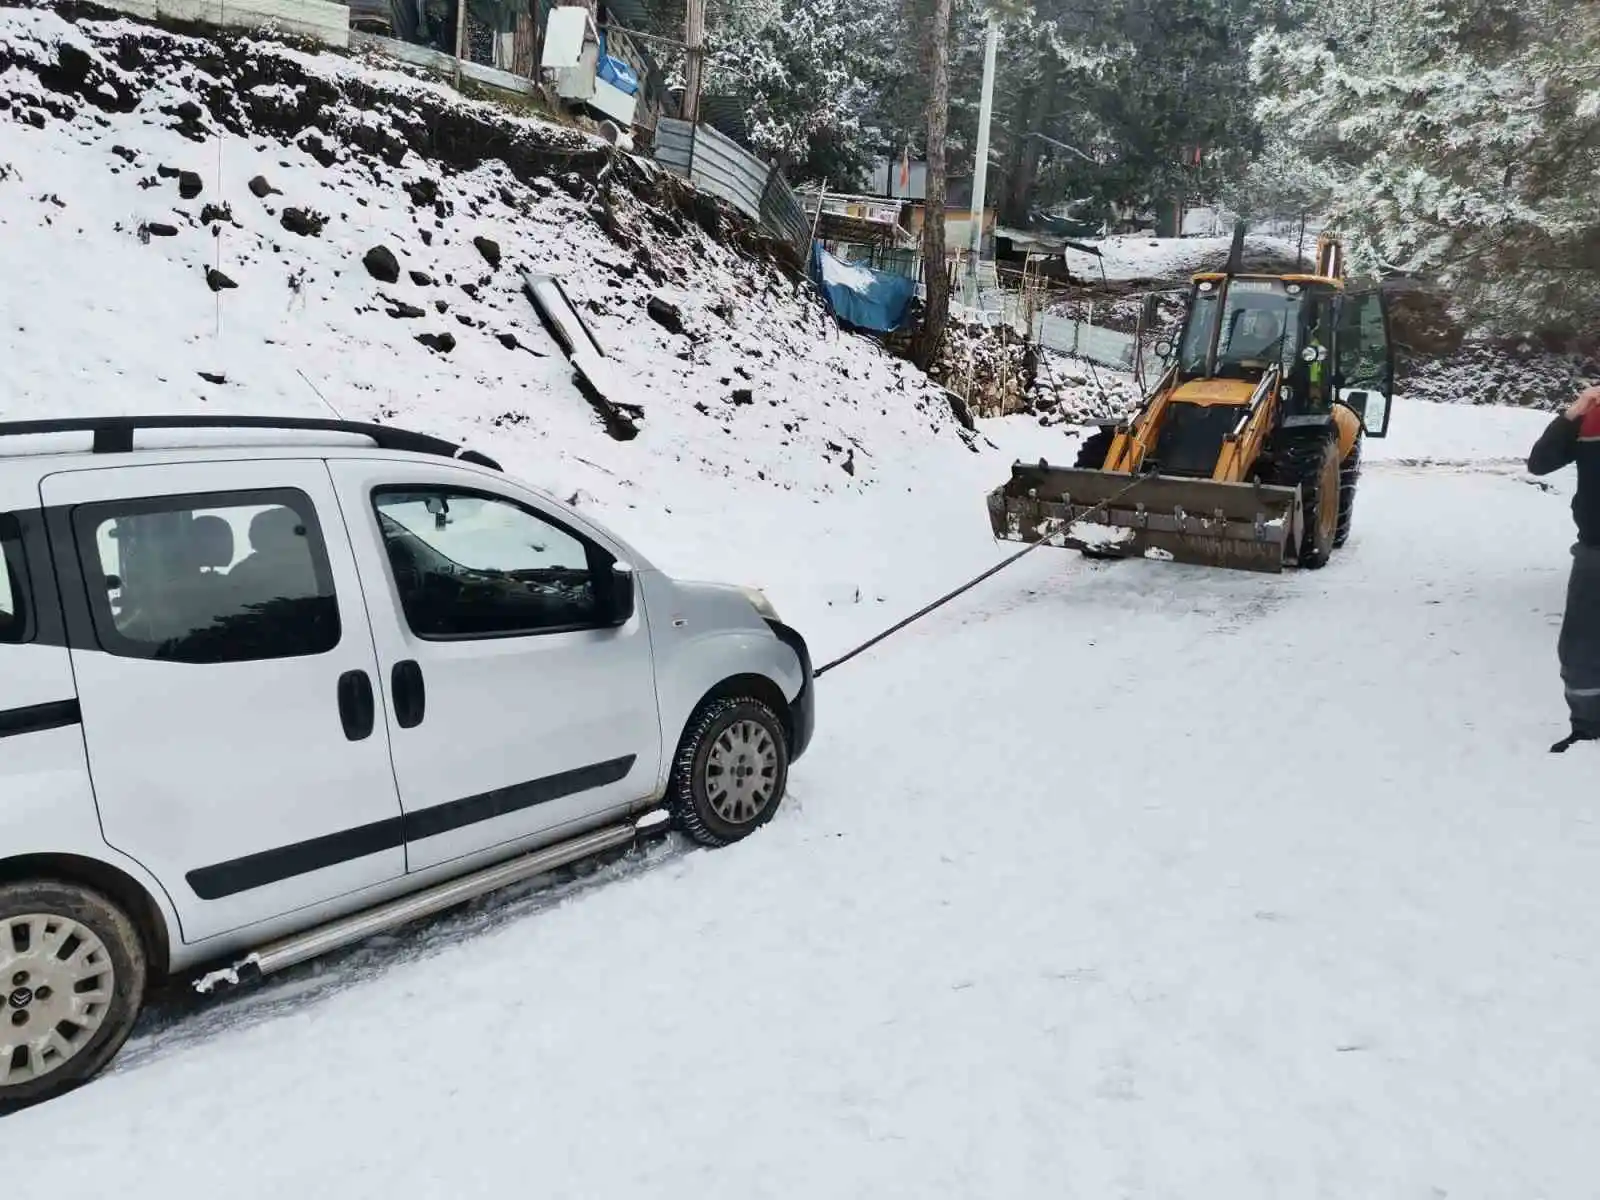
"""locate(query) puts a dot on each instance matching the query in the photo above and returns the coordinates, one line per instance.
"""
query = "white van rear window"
(13, 614)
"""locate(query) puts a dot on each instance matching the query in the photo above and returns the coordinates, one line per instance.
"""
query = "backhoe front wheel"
(1313, 463)
(1093, 449)
(1349, 480)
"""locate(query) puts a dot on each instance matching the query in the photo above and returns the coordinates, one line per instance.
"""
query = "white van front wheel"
(731, 770)
(72, 979)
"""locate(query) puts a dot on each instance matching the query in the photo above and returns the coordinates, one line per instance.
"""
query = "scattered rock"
(490, 250)
(426, 235)
(470, 289)
(159, 229)
(466, 319)
(423, 192)
(167, 172)
(665, 315)
(124, 153)
(189, 185)
(508, 340)
(212, 377)
(309, 223)
(261, 189)
(382, 265)
(442, 306)
(400, 310)
(312, 143)
(421, 278)
(442, 342)
(213, 213)
(743, 396)
(217, 281)
(189, 111)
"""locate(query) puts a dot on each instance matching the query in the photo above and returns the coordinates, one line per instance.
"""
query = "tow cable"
(1046, 540)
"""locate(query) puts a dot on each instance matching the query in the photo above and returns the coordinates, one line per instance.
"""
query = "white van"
(285, 683)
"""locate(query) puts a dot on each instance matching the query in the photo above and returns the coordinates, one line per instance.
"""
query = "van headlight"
(762, 605)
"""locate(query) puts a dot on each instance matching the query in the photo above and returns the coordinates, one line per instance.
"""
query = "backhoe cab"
(1247, 451)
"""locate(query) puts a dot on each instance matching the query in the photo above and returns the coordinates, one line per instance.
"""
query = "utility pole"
(980, 164)
(461, 38)
(694, 38)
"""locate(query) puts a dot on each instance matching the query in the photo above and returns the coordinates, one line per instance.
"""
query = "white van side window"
(228, 577)
(13, 583)
(469, 565)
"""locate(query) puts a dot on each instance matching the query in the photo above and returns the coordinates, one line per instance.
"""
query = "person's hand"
(1588, 400)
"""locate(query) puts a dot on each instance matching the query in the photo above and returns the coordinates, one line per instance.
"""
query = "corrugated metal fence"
(720, 166)
(1080, 339)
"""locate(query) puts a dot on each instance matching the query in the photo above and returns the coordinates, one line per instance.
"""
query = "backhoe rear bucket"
(1243, 526)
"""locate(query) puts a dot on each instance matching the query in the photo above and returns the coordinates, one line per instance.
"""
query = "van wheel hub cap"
(741, 772)
(64, 982)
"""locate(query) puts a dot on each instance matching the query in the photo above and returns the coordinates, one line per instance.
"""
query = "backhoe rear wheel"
(1313, 463)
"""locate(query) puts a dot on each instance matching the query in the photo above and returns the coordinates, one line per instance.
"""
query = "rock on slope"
(232, 224)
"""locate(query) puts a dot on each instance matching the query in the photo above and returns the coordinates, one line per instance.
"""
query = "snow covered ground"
(1124, 879)
(1128, 879)
(1134, 257)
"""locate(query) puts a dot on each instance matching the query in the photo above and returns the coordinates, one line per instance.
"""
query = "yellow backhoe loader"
(1247, 452)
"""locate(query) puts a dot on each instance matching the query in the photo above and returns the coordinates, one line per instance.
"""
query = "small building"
(908, 181)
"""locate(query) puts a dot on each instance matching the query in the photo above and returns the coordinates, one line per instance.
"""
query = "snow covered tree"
(1454, 138)
(810, 72)
(1112, 102)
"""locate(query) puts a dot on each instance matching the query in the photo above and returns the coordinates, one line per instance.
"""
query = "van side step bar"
(302, 947)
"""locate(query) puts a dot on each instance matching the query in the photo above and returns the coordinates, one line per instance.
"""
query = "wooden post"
(694, 38)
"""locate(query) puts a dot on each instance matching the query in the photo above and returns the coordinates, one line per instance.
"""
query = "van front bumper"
(803, 708)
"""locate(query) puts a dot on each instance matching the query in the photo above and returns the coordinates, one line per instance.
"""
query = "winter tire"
(1349, 477)
(72, 980)
(1313, 464)
(730, 772)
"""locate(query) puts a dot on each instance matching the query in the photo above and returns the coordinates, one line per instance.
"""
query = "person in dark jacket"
(1574, 437)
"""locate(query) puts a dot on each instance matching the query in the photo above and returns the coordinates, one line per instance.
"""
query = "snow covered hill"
(130, 162)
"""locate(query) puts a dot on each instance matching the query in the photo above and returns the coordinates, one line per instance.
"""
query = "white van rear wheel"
(72, 980)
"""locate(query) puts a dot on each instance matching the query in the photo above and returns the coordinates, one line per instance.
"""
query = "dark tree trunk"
(937, 61)
(1027, 148)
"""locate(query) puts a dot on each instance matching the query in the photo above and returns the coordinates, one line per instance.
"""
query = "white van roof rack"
(114, 435)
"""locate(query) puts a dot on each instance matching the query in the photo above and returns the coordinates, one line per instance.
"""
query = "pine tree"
(1455, 139)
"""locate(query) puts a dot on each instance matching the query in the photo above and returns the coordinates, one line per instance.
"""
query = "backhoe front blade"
(1242, 526)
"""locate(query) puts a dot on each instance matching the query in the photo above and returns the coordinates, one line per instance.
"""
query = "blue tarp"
(859, 296)
(616, 72)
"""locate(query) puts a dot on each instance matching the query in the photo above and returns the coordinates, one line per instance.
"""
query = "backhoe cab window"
(1259, 319)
